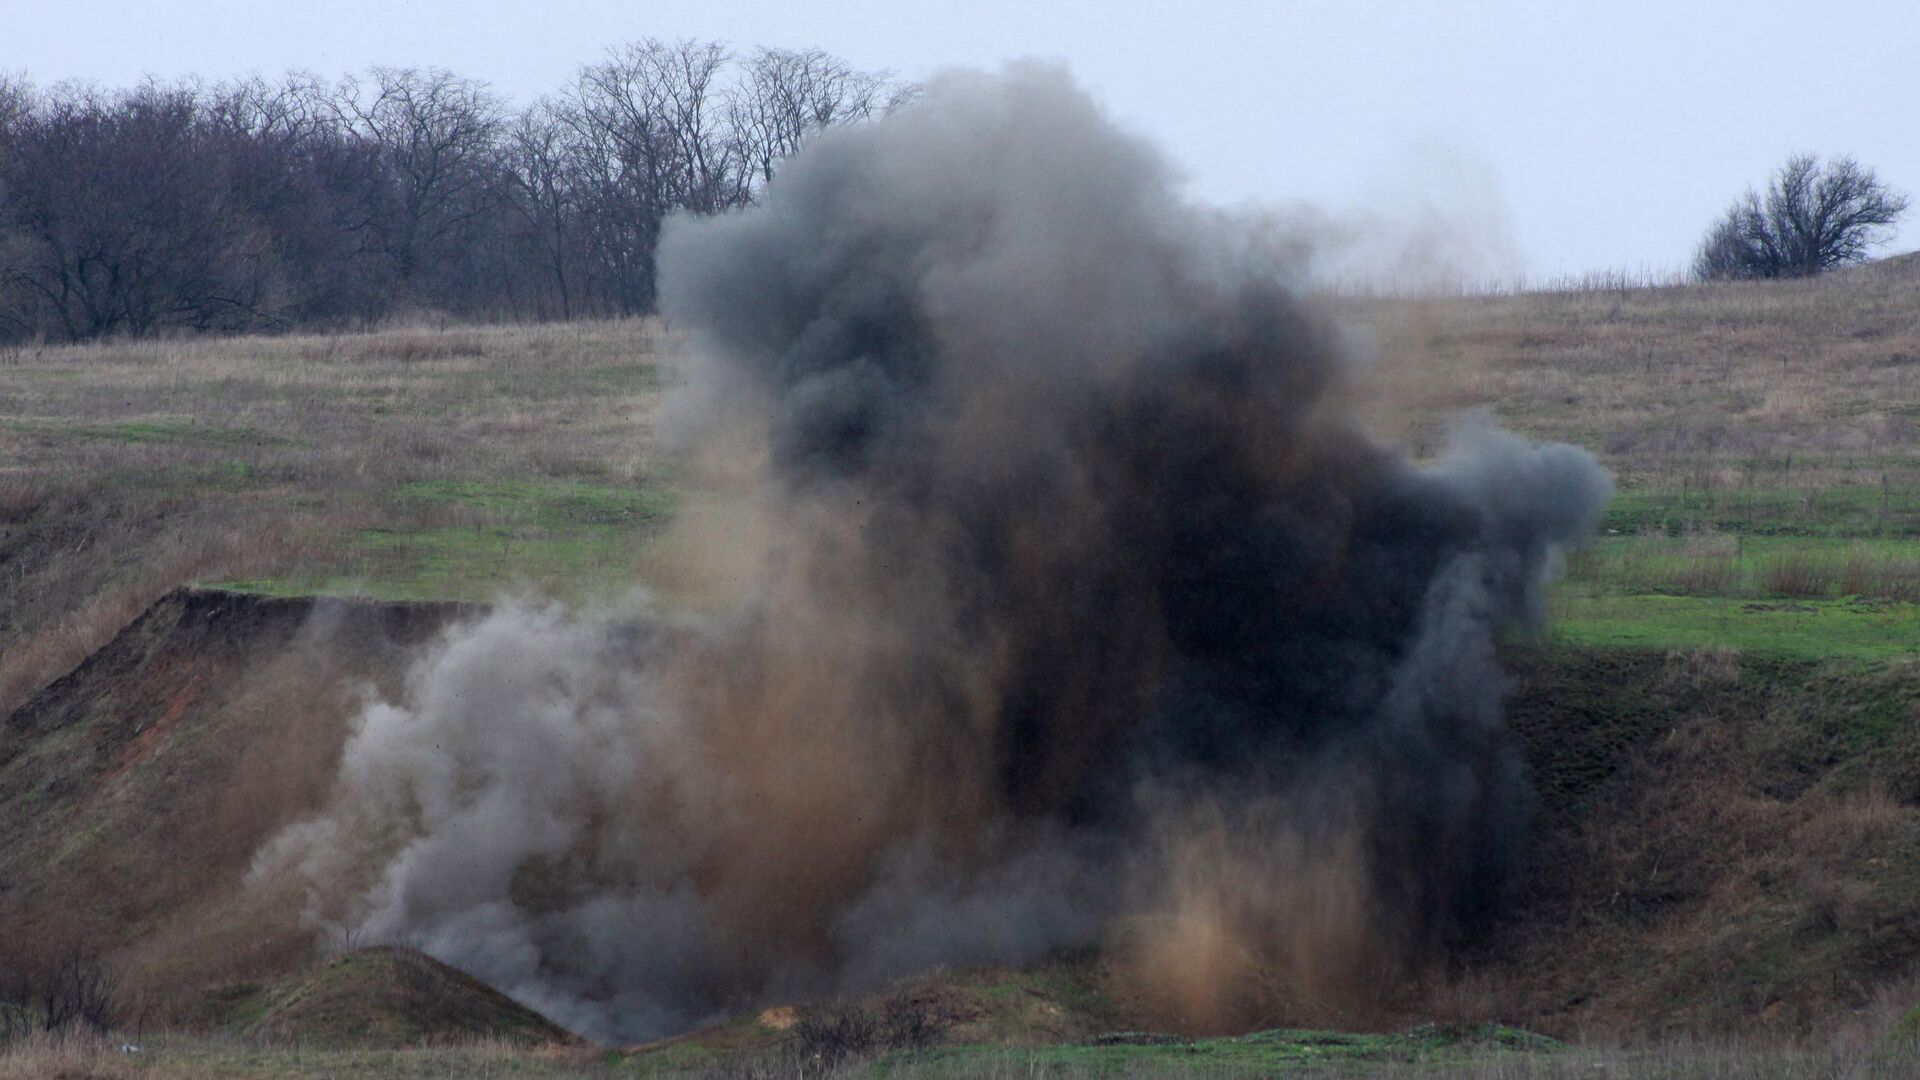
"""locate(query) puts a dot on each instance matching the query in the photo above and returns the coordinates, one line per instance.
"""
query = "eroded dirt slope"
(1724, 842)
(135, 790)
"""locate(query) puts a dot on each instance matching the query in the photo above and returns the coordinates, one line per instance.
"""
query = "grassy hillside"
(1765, 437)
(382, 997)
(136, 789)
(413, 463)
(1724, 724)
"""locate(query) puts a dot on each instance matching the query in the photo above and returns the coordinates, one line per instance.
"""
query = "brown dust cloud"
(1080, 613)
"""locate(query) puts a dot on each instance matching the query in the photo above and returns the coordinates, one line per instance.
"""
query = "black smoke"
(1085, 613)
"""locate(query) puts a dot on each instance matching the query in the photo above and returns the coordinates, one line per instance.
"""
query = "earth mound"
(384, 996)
(135, 790)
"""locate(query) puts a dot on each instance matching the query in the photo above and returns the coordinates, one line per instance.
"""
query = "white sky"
(1603, 135)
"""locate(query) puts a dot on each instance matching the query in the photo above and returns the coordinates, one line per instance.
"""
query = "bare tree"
(541, 176)
(689, 71)
(78, 989)
(1811, 219)
(785, 95)
(124, 219)
(56, 992)
(436, 133)
(651, 140)
(316, 187)
(260, 203)
(16, 100)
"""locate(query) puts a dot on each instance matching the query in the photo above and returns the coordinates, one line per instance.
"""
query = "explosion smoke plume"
(1086, 616)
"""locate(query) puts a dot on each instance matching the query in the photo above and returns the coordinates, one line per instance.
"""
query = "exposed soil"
(1724, 843)
(135, 790)
(382, 996)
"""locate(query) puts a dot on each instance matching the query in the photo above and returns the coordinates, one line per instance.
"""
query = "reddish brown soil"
(1724, 844)
(135, 790)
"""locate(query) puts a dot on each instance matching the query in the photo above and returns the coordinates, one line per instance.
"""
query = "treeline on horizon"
(261, 205)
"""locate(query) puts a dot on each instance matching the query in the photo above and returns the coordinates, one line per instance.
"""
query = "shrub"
(69, 992)
(1812, 219)
(1799, 575)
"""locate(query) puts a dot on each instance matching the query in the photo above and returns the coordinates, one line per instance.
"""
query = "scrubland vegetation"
(1721, 725)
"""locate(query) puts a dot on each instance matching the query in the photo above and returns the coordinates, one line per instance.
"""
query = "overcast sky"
(1599, 135)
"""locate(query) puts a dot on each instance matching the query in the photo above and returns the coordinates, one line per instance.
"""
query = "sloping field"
(136, 789)
(1765, 438)
(383, 996)
(1723, 725)
(1726, 843)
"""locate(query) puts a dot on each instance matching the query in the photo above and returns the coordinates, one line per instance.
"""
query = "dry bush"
(1859, 573)
(910, 1022)
(87, 1057)
(1849, 823)
(1879, 578)
(1709, 565)
(57, 994)
(20, 494)
(828, 1038)
(78, 991)
(402, 344)
(1799, 575)
(1694, 670)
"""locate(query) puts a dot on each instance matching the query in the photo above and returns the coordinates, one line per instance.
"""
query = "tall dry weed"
(1799, 575)
(1864, 574)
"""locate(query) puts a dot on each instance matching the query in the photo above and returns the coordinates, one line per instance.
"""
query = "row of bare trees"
(270, 204)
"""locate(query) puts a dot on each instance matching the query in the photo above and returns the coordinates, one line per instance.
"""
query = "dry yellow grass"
(129, 468)
(1778, 383)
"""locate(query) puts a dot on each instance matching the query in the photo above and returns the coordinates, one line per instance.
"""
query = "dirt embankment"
(1724, 843)
(135, 790)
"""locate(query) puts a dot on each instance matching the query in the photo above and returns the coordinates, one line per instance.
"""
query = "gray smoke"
(1085, 615)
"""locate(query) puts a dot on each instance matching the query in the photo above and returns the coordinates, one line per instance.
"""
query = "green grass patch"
(1813, 628)
(469, 563)
(1733, 564)
(1862, 509)
(1261, 1053)
(562, 538)
(158, 430)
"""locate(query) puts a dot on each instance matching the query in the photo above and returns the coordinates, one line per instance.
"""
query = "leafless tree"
(263, 203)
(309, 185)
(124, 223)
(649, 139)
(16, 100)
(78, 989)
(56, 992)
(1811, 219)
(542, 191)
(785, 95)
(689, 72)
(436, 132)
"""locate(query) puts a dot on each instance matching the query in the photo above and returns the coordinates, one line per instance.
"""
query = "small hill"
(1725, 842)
(1905, 265)
(135, 789)
(1061, 1001)
(385, 996)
